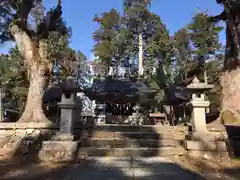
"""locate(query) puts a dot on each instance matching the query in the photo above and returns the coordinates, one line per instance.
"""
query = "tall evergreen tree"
(141, 24)
(109, 37)
(205, 41)
(183, 56)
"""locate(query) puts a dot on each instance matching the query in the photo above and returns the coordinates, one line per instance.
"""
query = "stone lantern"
(201, 142)
(199, 104)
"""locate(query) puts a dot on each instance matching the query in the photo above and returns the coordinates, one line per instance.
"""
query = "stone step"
(135, 135)
(127, 152)
(121, 143)
(210, 155)
(219, 146)
(142, 128)
(10, 142)
(6, 153)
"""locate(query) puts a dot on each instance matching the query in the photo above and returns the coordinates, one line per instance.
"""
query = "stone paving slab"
(128, 168)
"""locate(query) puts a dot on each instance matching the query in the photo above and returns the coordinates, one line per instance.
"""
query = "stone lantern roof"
(196, 85)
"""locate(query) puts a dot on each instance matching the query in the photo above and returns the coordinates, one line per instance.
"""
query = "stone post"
(199, 104)
(61, 147)
(200, 142)
(67, 109)
(198, 116)
(100, 114)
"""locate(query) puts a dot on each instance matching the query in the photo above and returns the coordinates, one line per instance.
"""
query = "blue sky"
(79, 14)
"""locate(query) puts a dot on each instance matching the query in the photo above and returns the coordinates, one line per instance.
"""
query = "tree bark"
(230, 78)
(230, 84)
(37, 66)
(33, 111)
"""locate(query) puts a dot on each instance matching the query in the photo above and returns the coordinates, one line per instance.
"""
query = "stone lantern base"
(58, 151)
(210, 145)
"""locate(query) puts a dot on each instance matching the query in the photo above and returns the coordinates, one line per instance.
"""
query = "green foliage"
(204, 37)
(183, 55)
(30, 16)
(194, 46)
(118, 39)
(110, 37)
(45, 28)
(214, 69)
(129, 3)
(14, 79)
(197, 49)
(160, 52)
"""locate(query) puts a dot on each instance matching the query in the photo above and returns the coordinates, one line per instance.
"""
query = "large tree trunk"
(230, 78)
(33, 111)
(35, 60)
(230, 84)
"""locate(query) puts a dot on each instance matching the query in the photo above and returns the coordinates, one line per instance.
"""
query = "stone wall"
(22, 139)
(26, 139)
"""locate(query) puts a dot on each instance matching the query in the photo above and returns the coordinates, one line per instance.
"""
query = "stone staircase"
(125, 141)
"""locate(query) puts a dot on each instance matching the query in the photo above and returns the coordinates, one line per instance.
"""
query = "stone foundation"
(23, 139)
(210, 145)
(43, 141)
(58, 151)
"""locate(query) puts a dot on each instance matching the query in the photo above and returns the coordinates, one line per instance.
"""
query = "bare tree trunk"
(230, 77)
(33, 111)
(230, 84)
(37, 67)
(230, 80)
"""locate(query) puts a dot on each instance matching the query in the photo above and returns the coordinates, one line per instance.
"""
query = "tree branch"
(220, 17)
(50, 22)
(24, 43)
(24, 10)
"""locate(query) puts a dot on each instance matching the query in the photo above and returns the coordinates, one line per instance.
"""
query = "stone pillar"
(67, 109)
(198, 116)
(61, 147)
(200, 142)
(100, 114)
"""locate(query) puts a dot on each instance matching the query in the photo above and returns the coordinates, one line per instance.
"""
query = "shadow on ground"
(25, 164)
(233, 133)
(101, 169)
(29, 167)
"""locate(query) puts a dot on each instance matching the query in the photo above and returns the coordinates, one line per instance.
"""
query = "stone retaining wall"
(23, 139)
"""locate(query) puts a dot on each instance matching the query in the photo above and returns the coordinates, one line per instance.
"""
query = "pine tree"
(110, 38)
(205, 41)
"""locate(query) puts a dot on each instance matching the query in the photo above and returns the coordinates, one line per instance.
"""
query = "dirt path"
(121, 169)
